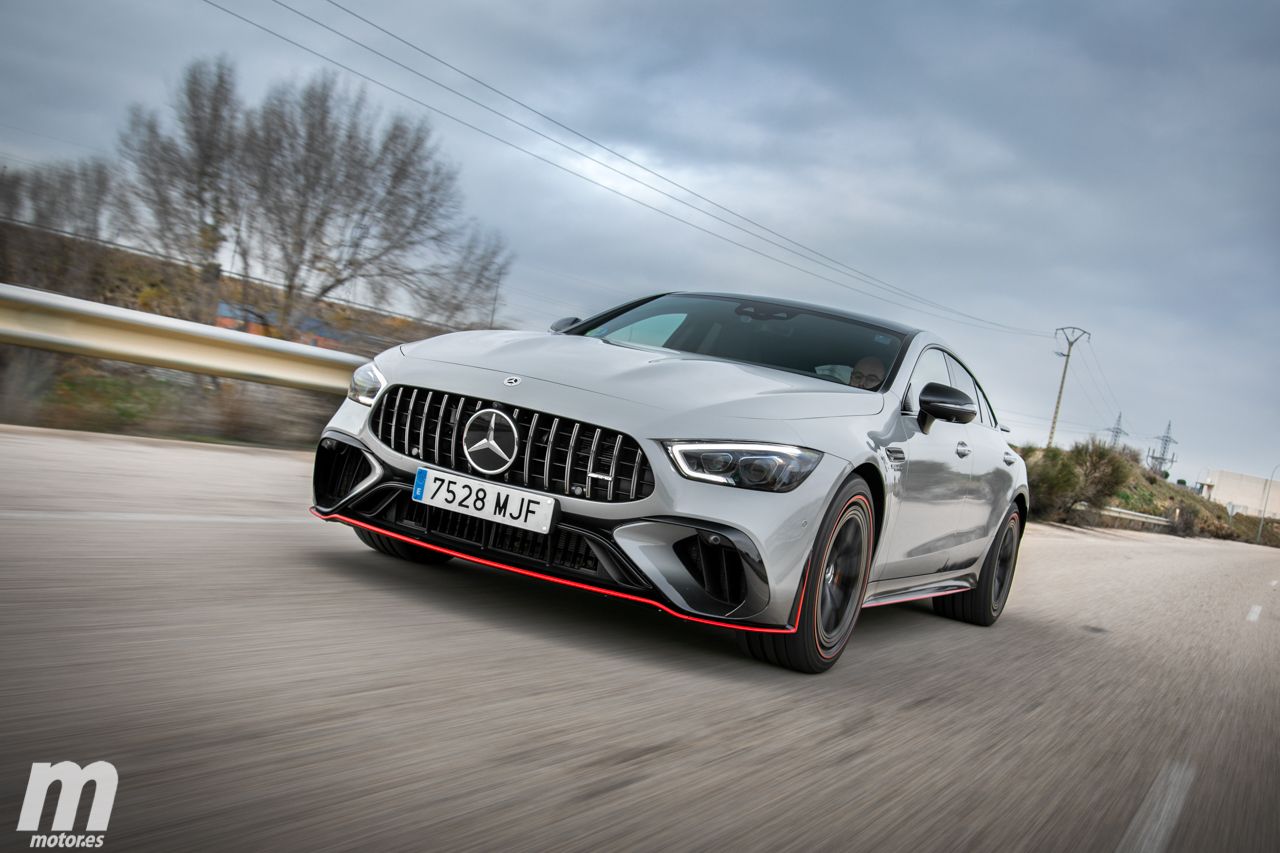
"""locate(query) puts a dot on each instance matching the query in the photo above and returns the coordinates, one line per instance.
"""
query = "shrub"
(1103, 471)
(1052, 479)
(1185, 519)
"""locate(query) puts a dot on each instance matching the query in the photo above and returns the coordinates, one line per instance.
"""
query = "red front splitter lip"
(552, 579)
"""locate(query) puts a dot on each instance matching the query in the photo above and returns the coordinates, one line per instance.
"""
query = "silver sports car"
(765, 466)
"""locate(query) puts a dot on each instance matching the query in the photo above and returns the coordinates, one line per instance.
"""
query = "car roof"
(888, 325)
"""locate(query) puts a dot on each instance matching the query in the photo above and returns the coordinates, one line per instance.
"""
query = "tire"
(983, 604)
(402, 550)
(833, 588)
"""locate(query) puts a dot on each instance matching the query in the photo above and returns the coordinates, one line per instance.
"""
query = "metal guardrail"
(1116, 512)
(37, 318)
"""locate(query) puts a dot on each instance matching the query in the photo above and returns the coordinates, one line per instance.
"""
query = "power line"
(1044, 420)
(23, 160)
(1088, 398)
(847, 269)
(366, 77)
(1098, 363)
(53, 138)
(1106, 406)
(857, 275)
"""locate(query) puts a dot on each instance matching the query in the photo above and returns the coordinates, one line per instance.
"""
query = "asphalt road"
(263, 681)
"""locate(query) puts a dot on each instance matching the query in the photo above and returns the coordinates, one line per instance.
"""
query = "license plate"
(483, 499)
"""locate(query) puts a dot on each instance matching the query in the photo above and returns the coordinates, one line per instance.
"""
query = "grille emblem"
(511, 381)
(490, 440)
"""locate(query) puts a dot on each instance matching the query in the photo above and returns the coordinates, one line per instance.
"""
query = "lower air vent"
(339, 469)
(717, 567)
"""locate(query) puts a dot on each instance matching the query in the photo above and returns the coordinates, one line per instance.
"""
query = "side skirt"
(901, 590)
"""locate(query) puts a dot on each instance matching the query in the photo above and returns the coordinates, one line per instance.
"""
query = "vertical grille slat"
(613, 466)
(422, 428)
(560, 455)
(528, 446)
(435, 451)
(395, 413)
(453, 436)
(591, 461)
(568, 458)
(408, 420)
(546, 459)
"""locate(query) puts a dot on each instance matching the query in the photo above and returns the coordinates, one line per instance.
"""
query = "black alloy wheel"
(833, 588)
(843, 567)
(983, 604)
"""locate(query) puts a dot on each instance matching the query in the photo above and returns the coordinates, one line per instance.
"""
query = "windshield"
(811, 342)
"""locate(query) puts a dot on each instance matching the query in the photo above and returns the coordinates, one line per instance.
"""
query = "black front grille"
(563, 548)
(555, 454)
(339, 468)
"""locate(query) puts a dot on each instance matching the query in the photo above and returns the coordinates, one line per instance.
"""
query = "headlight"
(768, 467)
(366, 382)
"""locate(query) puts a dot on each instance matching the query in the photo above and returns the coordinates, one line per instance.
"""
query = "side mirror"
(944, 403)
(565, 323)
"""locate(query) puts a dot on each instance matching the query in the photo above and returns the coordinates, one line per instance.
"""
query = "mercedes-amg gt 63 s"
(765, 466)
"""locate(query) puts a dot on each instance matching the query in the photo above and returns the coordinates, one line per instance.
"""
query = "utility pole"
(1072, 335)
(1116, 431)
(1266, 495)
(1163, 461)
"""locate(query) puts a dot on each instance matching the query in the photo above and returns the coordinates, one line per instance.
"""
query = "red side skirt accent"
(552, 579)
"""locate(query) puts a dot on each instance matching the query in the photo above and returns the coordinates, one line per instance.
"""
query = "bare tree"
(341, 198)
(468, 290)
(179, 188)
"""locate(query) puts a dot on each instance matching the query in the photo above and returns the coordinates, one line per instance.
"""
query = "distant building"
(308, 330)
(1242, 491)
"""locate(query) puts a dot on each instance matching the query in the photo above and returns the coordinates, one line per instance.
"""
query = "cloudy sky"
(1108, 165)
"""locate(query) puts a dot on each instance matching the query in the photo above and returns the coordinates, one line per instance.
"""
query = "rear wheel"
(834, 587)
(983, 604)
(396, 548)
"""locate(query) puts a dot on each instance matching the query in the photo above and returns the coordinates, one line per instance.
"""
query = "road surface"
(261, 680)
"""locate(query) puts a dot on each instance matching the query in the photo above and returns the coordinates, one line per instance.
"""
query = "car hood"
(662, 379)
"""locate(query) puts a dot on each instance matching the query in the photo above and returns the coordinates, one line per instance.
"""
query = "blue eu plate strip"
(420, 484)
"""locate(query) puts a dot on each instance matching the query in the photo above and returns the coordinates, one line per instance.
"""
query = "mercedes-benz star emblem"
(490, 441)
(511, 380)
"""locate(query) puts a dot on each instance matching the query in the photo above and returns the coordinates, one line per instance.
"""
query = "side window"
(987, 411)
(932, 367)
(965, 382)
(984, 410)
(961, 379)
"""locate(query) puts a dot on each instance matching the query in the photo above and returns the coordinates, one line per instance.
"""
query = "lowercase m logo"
(72, 778)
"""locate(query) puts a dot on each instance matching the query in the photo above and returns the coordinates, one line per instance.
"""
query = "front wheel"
(833, 590)
(983, 604)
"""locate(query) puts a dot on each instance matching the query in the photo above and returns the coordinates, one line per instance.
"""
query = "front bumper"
(698, 551)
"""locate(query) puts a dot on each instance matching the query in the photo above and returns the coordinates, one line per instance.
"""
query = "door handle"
(962, 450)
(1009, 459)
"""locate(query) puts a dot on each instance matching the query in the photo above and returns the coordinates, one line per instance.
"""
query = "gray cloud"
(1108, 165)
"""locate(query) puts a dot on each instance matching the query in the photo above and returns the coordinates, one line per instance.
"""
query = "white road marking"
(1274, 583)
(1254, 612)
(150, 517)
(1156, 818)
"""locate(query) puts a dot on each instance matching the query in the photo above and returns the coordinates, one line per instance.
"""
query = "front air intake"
(339, 469)
(716, 566)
